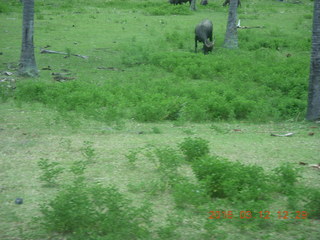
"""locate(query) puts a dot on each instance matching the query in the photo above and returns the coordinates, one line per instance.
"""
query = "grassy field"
(140, 106)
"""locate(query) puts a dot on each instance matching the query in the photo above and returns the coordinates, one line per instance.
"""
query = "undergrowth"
(265, 79)
(88, 209)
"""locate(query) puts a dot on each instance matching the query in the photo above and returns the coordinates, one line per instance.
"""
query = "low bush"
(232, 180)
(312, 204)
(50, 171)
(194, 148)
(94, 212)
(186, 194)
(287, 176)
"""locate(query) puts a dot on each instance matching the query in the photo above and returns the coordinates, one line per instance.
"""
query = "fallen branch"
(63, 53)
(245, 27)
(282, 135)
(316, 166)
(110, 68)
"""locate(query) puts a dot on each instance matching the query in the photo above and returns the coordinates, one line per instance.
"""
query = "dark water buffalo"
(204, 2)
(203, 33)
(179, 1)
(227, 2)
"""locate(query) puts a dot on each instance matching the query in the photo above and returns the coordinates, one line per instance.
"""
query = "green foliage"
(6, 90)
(7, 6)
(3, 7)
(78, 168)
(203, 88)
(94, 212)
(312, 205)
(286, 175)
(186, 194)
(88, 151)
(167, 162)
(81, 97)
(50, 171)
(132, 156)
(233, 180)
(194, 148)
(156, 130)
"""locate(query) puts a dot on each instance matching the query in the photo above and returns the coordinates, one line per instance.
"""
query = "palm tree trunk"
(193, 5)
(313, 111)
(231, 38)
(28, 65)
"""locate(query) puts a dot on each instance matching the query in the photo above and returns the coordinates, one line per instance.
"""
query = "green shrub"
(286, 177)
(186, 193)
(312, 204)
(167, 160)
(233, 180)
(50, 171)
(4, 8)
(88, 151)
(94, 212)
(194, 148)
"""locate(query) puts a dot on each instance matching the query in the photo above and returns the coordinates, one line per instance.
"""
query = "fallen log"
(63, 53)
(282, 135)
(246, 27)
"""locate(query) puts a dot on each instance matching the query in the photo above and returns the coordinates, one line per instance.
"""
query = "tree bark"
(313, 111)
(231, 38)
(193, 5)
(28, 65)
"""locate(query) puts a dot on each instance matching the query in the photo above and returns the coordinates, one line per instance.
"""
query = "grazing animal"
(175, 2)
(227, 2)
(204, 2)
(203, 33)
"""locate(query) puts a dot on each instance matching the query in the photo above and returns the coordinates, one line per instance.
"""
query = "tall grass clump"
(50, 171)
(92, 211)
(194, 148)
(232, 180)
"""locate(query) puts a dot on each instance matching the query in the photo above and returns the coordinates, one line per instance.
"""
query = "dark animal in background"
(204, 2)
(175, 2)
(203, 33)
(227, 2)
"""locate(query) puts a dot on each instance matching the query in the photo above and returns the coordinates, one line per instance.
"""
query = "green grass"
(33, 132)
(141, 65)
(139, 96)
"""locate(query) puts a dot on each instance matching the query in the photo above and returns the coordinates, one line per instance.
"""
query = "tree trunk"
(231, 38)
(193, 5)
(28, 65)
(313, 111)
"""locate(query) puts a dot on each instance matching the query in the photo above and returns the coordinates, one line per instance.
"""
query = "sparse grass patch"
(160, 175)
